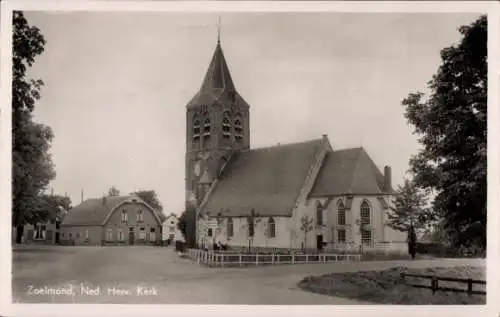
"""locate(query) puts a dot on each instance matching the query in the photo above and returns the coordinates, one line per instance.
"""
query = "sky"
(116, 86)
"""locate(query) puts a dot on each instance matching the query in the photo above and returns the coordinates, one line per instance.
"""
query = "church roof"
(218, 84)
(268, 180)
(95, 211)
(349, 171)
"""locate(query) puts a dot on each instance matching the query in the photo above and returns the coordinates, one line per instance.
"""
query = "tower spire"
(218, 31)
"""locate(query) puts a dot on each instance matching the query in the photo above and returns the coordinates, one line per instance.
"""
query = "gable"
(349, 171)
(268, 180)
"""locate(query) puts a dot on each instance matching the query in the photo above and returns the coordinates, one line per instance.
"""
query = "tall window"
(124, 215)
(110, 235)
(226, 126)
(341, 236)
(366, 237)
(341, 213)
(196, 130)
(271, 228)
(365, 213)
(139, 215)
(209, 232)
(230, 228)
(152, 235)
(206, 129)
(238, 128)
(142, 233)
(319, 214)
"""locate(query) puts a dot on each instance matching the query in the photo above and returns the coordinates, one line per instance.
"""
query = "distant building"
(169, 227)
(342, 191)
(112, 220)
(43, 232)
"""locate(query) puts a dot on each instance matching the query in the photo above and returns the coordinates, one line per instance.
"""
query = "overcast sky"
(116, 86)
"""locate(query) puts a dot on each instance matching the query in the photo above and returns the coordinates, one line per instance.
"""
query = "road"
(156, 275)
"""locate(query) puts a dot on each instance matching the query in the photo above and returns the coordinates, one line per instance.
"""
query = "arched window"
(206, 129)
(230, 228)
(319, 214)
(238, 128)
(340, 213)
(271, 228)
(365, 213)
(196, 130)
(226, 126)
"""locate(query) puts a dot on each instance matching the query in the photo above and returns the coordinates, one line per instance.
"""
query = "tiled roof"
(349, 171)
(94, 211)
(268, 180)
(217, 84)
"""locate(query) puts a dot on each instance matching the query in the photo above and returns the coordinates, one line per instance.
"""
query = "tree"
(150, 197)
(187, 226)
(113, 191)
(410, 207)
(306, 225)
(32, 167)
(451, 125)
(412, 241)
(253, 218)
(52, 207)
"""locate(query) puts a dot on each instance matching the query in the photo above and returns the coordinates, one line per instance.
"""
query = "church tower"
(218, 124)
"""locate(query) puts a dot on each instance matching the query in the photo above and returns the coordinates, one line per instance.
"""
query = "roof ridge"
(282, 145)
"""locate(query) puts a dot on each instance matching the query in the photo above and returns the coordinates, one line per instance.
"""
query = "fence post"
(278, 258)
(307, 258)
(293, 258)
(469, 286)
(273, 258)
(240, 260)
(222, 260)
(434, 284)
(256, 259)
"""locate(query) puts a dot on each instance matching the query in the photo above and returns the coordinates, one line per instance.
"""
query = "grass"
(387, 287)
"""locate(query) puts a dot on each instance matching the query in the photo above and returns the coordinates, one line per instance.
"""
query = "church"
(304, 195)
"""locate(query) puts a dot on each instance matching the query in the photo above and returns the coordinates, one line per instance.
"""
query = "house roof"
(218, 84)
(95, 211)
(349, 171)
(268, 180)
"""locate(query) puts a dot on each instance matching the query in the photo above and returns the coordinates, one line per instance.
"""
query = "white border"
(489, 7)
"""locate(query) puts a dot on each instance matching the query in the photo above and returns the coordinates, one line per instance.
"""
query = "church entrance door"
(319, 242)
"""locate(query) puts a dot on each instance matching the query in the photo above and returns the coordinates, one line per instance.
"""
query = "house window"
(152, 235)
(120, 235)
(62, 234)
(319, 214)
(272, 228)
(86, 234)
(124, 215)
(365, 213)
(40, 232)
(341, 236)
(139, 215)
(209, 233)
(196, 130)
(238, 129)
(70, 235)
(142, 234)
(366, 237)
(230, 228)
(110, 234)
(78, 235)
(341, 213)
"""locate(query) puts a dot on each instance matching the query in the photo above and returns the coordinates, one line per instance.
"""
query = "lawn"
(387, 287)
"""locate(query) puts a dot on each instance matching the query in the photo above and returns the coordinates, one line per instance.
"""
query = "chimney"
(387, 178)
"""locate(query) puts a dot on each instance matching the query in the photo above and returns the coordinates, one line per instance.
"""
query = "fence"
(435, 283)
(222, 259)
